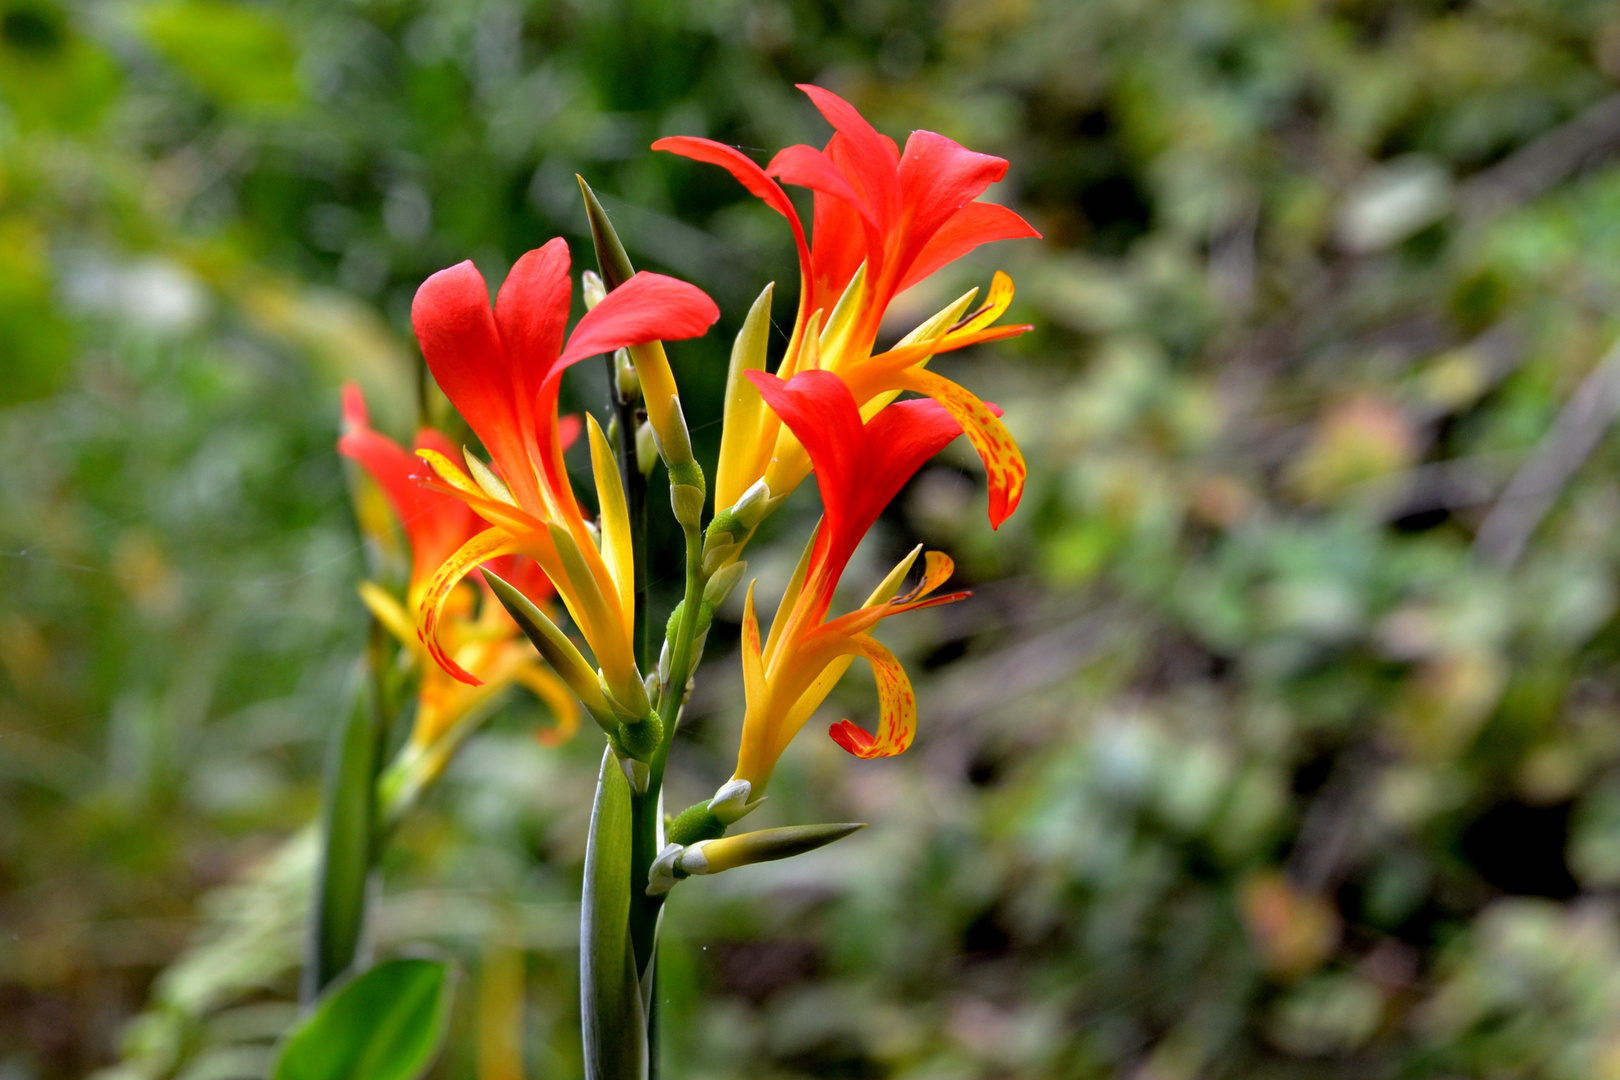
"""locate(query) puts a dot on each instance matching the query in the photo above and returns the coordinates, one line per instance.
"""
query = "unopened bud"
(755, 503)
(624, 372)
(686, 493)
(718, 549)
(722, 583)
(591, 284)
(641, 740)
(674, 441)
(646, 448)
(766, 845)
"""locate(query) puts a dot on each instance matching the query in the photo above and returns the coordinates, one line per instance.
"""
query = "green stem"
(645, 808)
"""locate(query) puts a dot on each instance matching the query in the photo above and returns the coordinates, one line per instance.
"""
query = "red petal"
(355, 414)
(858, 469)
(873, 157)
(648, 307)
(531, 313)
(435, 523)
(748, 174)
(457, 333)
(974, 224)
(937, 178)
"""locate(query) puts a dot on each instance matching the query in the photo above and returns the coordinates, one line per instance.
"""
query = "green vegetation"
(1281, 739)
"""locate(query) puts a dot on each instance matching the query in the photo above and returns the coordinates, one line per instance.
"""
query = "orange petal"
(1003, 463)
(486, 545)
(897, 703)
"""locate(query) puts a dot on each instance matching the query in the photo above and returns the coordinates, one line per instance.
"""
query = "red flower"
(884, 220)
(502, 372)
(859, 469)
(437, 524)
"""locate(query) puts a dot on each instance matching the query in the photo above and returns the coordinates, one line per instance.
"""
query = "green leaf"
(387, 1024)
(610, 996)
(348, 839)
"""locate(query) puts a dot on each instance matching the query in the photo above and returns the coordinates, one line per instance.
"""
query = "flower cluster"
(884, 220)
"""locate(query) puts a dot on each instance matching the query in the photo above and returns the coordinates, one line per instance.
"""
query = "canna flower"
(884, 221)
(502, 371)
(859, 469)
(487, 642)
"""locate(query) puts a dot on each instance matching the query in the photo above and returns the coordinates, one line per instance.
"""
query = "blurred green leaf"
(237, 54)
(348, 845)
(386, 1024)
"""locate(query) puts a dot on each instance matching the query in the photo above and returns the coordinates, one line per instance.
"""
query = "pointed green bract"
(610, 254)
(387, 1024)
(609, 992)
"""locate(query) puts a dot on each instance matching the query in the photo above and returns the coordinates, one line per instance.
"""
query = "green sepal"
(615, 1032)
(696, 822)
(387, 1024)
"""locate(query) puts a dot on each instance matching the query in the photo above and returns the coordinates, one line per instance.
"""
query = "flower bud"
(766, 845)
(646, 448)
(755, 503)
(722, 583)
(624, 373)
(590, 283)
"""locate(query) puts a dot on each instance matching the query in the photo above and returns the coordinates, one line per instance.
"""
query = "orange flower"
(884, 221)
(487, 642)
(859, 469)
(502, 370)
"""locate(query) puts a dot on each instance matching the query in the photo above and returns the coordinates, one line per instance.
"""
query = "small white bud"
(591, 284)
(755, 503)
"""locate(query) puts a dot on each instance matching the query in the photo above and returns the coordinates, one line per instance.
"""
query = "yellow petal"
(1003, 463)
(745, 411)
(617, 551)
(897, 706)
(481, 548)
(390, 613)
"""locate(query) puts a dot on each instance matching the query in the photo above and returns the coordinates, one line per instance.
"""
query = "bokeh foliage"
(1280, 740)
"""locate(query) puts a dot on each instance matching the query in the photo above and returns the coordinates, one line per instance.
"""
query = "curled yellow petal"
(897, 706)
(481, 548)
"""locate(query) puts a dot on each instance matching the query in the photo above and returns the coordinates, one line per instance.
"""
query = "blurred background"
(1281, 739)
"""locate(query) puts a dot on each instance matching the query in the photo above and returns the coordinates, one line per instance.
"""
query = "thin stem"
(644, 809)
